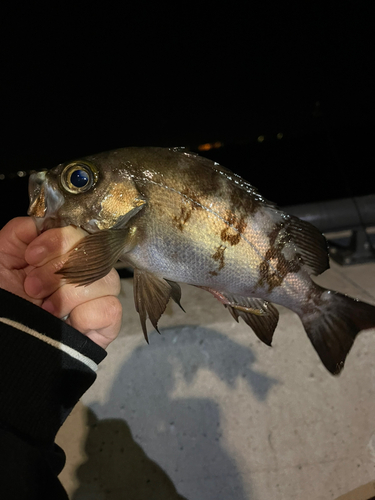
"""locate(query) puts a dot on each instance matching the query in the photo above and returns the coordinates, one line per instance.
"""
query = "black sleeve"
(45, 367)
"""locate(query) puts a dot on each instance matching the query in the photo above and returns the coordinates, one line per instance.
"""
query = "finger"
(41, 282)
(68, 297)
(52, 244)
(98, 319)
(20, 229)
(16, 235)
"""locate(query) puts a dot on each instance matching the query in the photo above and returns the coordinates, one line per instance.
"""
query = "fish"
(177, 217)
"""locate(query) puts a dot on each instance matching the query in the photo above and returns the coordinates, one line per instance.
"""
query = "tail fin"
(333, 326)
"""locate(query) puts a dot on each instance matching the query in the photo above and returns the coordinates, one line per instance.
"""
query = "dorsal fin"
(232, 178)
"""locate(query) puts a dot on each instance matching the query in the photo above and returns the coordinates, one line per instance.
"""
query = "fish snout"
(37, 207)
(45, 202)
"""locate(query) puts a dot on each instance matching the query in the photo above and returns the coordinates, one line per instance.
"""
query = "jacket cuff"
(45, 367)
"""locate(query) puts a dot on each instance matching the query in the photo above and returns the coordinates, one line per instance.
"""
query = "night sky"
(81, 81)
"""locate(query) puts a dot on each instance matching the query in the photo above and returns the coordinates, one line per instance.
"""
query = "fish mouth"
(38, 206)
(45, 223)
(45, 202)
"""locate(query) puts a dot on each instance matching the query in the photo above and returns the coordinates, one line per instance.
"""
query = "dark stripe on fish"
(234, 228)
(272, 274)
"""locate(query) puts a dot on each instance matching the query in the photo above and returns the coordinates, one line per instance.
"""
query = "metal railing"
(348, 224)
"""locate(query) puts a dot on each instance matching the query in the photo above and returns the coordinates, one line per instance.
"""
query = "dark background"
(96, 77)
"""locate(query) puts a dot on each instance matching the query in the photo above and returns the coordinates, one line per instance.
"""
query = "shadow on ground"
(118, 468)
(182, 434)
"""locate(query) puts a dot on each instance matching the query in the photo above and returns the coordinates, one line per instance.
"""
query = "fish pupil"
(79, 178)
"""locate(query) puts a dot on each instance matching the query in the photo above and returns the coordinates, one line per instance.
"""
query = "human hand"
(28, 264)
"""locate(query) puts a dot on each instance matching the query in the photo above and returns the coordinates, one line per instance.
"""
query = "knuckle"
(112, 282)
(113, 308)
(112, 312)
(61, 240)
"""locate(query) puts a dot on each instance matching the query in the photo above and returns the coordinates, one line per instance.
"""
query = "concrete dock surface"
(208, 412)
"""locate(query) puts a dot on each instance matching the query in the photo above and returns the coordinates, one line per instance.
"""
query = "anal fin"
(263, 325)
(260, 315)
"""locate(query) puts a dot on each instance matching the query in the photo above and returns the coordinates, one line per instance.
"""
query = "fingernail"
(33, 286)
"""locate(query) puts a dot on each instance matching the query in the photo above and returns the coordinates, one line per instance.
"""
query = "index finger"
(53, 243)
(17, 233)
(15, 236)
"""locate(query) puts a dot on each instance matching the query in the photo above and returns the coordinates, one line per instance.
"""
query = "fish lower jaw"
(39, 222)
(44, 223)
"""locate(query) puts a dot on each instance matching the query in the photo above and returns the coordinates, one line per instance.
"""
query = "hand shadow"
(118, 468)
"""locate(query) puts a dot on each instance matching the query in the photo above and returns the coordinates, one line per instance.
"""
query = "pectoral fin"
(96, 254)
(151, 296)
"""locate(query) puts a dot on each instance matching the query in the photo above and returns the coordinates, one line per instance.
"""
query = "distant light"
(2, 177)
(280, 135)
(210, 145)
(260, 138)
(21, 173)
(204, 147)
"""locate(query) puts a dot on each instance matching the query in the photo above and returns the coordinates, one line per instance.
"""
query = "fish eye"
(79, 177)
